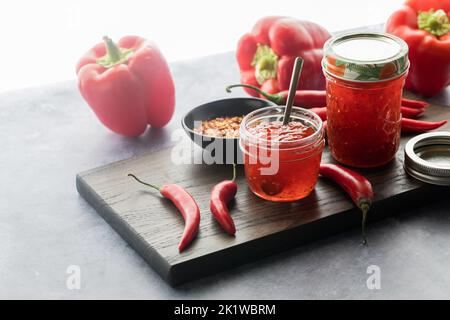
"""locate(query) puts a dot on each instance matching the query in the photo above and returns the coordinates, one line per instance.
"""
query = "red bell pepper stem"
(114, 54)
(411, 125)
(185, 203)
(221, 194)
(417, 104)
(355, 185)
(435, 22)
(112, 50)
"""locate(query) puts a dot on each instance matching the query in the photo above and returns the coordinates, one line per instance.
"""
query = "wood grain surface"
(153, 226)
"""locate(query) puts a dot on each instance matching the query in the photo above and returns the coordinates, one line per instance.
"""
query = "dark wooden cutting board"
(153, 226)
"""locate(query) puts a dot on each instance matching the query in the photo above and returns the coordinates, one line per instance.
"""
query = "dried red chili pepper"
(355, 185)
(221, 194)
(187, 206)
(411, 125)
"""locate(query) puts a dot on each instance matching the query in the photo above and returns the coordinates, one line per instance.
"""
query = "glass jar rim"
(279, 110)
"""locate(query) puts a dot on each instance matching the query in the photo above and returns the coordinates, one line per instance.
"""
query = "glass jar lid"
(365, 57)
(427, 158)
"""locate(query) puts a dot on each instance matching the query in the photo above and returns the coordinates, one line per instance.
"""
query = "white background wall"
(42, 40)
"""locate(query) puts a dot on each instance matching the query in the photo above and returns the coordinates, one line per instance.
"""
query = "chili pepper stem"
(277, 98)
(364, 206)
(234, 172)
(144, 183)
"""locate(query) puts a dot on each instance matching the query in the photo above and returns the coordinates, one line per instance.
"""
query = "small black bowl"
(221, 150)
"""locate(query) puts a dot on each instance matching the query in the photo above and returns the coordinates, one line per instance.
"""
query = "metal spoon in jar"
(298, 64)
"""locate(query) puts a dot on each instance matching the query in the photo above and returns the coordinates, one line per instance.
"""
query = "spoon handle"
(298, 64)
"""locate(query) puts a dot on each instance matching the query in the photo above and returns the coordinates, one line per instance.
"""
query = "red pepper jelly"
(276, 131)
(365, 74)
(281, 161)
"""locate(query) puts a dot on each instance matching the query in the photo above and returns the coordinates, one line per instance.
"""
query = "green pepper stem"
(112, 49)
(114, 54)
(435, 22)
(265, 62)
(277, 97)
(144, 183)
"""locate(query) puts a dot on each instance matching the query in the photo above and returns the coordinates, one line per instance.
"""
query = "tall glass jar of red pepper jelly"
(281, 161)
(365, 73)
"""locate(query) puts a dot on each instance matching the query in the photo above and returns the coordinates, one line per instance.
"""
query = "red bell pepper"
(128, 85)
(425, 27)
(266, 55)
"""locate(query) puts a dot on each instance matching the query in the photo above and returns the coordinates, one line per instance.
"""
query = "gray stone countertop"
(48, 134)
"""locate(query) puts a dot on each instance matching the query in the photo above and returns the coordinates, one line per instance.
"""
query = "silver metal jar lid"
(427, 158)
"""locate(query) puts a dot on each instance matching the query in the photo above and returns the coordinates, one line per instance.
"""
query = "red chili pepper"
(321, 112)
(303, 98)
(406, 112)
(187, 206)
(417, 104)
(408, 125)
(309, 98)
(221, 194)
(325, 126)
(411, 112)
(355, 185)
(411, 125)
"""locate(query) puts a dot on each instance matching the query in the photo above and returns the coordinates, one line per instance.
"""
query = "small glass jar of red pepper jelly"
(365, 74)
(281, 161)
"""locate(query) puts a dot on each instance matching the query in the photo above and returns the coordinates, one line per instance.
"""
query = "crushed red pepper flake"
(221, 127)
